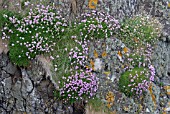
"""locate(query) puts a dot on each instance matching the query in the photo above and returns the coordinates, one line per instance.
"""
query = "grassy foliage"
(97, 105)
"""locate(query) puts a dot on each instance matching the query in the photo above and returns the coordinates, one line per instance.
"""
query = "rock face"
(30, 90)
(27, 90)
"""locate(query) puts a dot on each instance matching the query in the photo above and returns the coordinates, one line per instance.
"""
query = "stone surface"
(21, 92)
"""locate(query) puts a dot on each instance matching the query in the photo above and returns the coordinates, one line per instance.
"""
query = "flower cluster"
(79, 86)
(97, 25)
(34, 34)
(81, 83)
(139, 30)
(152, 72)
(136, 81)
(78, 55)
(140, 57)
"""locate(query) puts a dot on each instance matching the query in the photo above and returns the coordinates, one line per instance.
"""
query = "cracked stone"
(4, 75)
(4, 59)
(10, 68)
(16, 90)
(27, 86)
(7, 84)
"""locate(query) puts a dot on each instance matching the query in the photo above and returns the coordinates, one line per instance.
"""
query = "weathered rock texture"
(27, 90)
(30, 90)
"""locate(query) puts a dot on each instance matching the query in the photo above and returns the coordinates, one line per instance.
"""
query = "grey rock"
(3, 60)
(7, 85)
(27, 86)
(165, 80)
(151, 103)
(4, 74)
(10, 68)
(16, 90)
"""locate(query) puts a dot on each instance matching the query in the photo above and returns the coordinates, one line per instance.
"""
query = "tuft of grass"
(97, 105)
(62, 62)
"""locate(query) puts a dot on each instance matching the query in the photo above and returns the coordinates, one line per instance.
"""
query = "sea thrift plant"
(140, 57)
(78, 55)
(97, 25)
(136, 81)
(139, 30)
(34, 34)
(79, 86)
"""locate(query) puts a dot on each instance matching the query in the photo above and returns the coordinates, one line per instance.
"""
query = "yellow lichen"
(95, 54)
(110, 99)
(125, 49)
(108, 105)
(87, 67)
(104, 54)
(93, 4)
(152, 95)
(106, 73)
(169, 5)
(119, 54)
(163, 112)
(167, 88)
(92, 64)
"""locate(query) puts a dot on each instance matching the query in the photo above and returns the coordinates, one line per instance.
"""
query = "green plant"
(134, 82)
(136, 60)
(35, 34)
(97, 105)
(96, 25)
(4, 14)
(80, 85)
(161, 84)
(139, 30)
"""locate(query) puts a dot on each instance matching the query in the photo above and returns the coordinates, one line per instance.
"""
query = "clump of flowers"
(79, 83)
(136, 81)
(139, 30)
(97, 25)
(34, 34)
(78, 55)
(79, 86)
(141, 57)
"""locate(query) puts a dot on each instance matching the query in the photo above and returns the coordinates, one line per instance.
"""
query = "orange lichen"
(163, 112)
(108, 105)
(92, 64)
(125, 49)
(95, 54)
(93, 4)
(152, 95)
(110, 99)
(87, 67)
(119, 53)
(167, 88)
(104, 54)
